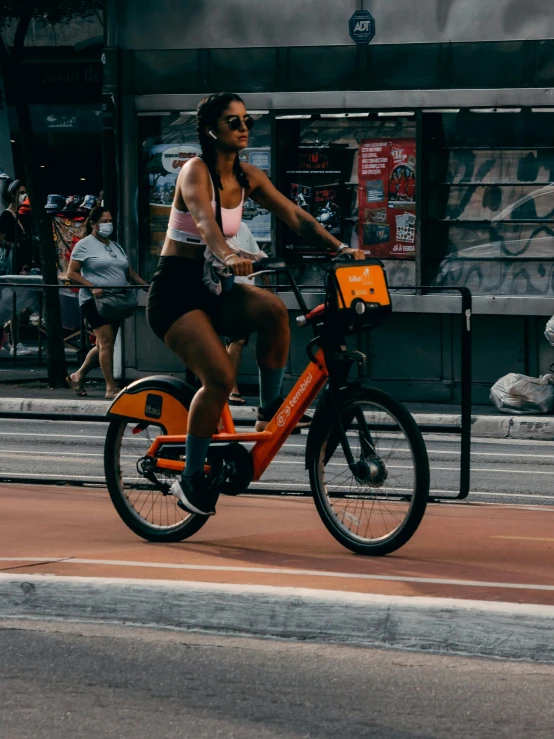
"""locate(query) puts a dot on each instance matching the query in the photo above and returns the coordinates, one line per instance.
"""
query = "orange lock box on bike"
(365, 456)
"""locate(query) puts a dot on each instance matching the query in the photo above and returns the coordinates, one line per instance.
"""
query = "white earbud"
(212, 134)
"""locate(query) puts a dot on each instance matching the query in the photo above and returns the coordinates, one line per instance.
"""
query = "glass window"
(356, 174)
(69, 139)
(249, 70)
(322, 68)
(167, 142)
(491, 202)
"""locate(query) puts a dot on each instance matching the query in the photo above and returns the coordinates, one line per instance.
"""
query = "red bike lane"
(464, 551)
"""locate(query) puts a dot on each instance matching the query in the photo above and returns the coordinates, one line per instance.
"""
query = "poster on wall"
(387, 198)
(257, 219)
(163, 165)
(316, 182)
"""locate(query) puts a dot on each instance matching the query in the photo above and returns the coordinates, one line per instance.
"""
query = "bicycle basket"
(359, 292)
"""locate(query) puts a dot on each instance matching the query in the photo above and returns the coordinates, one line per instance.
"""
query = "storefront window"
(490, 202)
(68, 139)
(167, 142)
(356, 174)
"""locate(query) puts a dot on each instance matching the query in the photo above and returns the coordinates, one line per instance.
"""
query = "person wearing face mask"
(12, 231)
(96, 260)
(14, 243)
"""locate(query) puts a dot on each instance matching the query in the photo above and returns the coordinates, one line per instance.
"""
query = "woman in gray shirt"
(96, 260)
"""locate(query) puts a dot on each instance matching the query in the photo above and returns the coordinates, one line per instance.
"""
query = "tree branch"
(28, 10)
(5, 55)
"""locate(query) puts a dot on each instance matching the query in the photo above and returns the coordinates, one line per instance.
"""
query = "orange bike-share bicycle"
(367, 461)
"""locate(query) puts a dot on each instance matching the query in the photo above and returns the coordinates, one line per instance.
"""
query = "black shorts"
(176, 289)
(94, 319)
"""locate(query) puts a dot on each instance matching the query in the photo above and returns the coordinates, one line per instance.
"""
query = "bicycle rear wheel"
(377, 508)
(142, 501)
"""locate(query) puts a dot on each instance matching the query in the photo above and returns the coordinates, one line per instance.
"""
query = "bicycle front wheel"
(139, 494)
(376, 506)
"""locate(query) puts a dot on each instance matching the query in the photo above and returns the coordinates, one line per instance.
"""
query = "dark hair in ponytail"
(95, 215)
(207, 116)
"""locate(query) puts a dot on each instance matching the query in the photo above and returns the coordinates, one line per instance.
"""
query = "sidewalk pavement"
(475, 579)
(487, 422)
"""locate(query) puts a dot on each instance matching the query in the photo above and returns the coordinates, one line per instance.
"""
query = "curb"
(479, 628)
(87, 407)
(539, 428)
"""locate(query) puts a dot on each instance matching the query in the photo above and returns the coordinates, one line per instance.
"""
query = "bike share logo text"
(364, 276)
(283, 416)
(153, 407)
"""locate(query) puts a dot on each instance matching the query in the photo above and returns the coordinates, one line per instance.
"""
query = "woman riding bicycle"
(187, 316)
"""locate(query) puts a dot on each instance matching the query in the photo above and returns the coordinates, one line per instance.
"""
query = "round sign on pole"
(361, 27)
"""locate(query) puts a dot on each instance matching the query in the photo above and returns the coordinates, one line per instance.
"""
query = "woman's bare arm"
(135, 278)
(74, 274)
(194, 181)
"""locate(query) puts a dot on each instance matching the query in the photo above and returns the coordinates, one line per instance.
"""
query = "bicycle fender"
(160, 400)
(320, 419)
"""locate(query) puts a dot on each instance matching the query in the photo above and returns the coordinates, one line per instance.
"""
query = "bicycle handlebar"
(269, 264)
(274, 265)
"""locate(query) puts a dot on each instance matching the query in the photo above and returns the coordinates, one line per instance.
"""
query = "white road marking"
(431, 450)
(53, 454)
(31, 475)
(522, 538)
(283, 571)
(305, 486)
(75, 437)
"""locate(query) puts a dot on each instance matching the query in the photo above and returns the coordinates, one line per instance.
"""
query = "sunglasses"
(234, 122)
(110, 251)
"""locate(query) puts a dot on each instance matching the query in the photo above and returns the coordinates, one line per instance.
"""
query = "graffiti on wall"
(498, 213)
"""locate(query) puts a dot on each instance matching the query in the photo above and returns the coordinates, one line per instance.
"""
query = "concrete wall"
(193, 24)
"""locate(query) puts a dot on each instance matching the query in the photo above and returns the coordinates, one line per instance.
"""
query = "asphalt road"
(69, 681)
(508, 471)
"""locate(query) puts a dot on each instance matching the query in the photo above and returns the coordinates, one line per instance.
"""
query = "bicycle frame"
(266, 443)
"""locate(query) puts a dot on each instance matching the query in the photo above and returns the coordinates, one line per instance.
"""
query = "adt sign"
(362, 27)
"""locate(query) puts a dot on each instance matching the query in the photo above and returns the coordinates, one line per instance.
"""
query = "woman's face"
(227, 137)
(106, 217)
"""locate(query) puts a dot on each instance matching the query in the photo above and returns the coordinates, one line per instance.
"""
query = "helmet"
(54, 203)
(72, 202)
(89, 202)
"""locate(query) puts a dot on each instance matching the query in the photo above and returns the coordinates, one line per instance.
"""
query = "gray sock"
(196, 451)
(270, 385)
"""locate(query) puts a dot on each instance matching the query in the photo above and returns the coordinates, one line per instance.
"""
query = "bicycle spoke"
(373, 509)
(144, 497)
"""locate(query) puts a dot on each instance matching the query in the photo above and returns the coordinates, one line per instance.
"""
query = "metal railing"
(463, 429)
(39, 286)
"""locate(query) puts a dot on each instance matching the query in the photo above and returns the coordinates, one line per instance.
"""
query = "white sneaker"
(22, 350)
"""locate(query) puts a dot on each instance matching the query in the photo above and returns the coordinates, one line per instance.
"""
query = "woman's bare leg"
(105, 340)
(90, 363)
(249, 309)
(193, 339)
(234, 350)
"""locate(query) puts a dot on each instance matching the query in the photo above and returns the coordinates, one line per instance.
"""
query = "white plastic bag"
(515, 393)
(549, 331)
